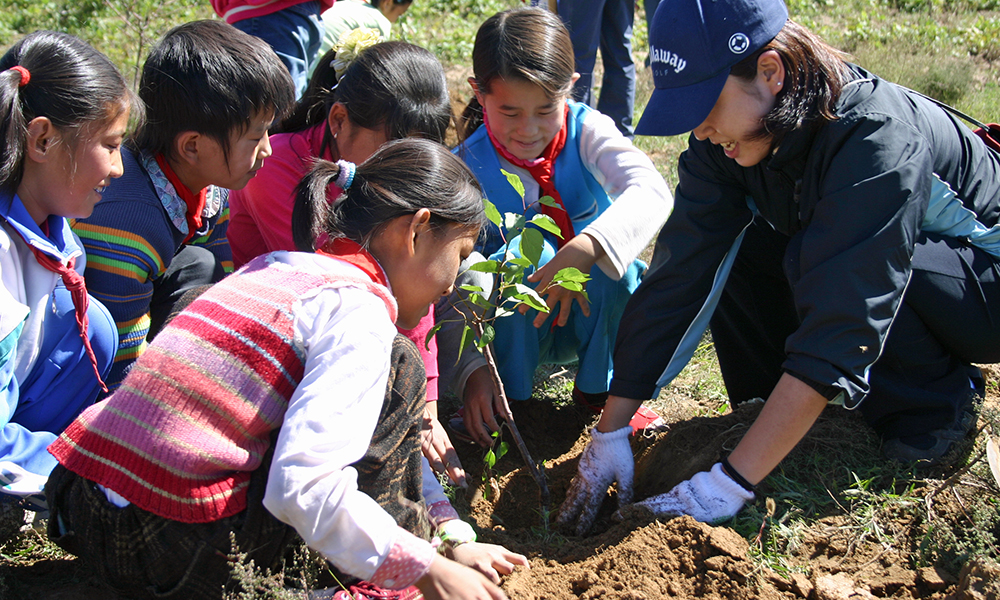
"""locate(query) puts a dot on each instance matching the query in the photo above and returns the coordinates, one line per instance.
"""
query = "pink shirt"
(260, 219)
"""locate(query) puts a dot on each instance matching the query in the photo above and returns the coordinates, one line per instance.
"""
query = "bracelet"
(455, 533)
(735, 476)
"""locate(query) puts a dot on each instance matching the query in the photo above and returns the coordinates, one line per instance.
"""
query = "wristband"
(456, 532)
(735, 476)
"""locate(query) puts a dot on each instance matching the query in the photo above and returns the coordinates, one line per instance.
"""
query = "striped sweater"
(130, 241)
(194, 418)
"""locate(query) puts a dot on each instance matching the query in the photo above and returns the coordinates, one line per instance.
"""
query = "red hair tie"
(25, 75)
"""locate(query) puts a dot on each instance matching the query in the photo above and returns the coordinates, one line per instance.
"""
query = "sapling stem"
(536, 472)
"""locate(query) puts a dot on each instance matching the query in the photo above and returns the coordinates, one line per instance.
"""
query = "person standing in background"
(606, 24)
(291, 27)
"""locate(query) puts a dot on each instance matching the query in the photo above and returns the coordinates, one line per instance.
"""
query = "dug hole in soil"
(644, 558)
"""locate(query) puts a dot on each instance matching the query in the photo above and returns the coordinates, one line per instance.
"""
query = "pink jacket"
(237, 10)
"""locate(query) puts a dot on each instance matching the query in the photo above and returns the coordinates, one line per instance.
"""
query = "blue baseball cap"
(692, 46)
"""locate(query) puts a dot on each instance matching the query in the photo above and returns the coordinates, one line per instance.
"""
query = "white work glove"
(709, 496)
(606, 459)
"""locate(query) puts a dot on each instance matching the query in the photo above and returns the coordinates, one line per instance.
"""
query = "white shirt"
(641, 200)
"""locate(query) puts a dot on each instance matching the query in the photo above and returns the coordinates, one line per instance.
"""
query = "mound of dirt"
(681, 557)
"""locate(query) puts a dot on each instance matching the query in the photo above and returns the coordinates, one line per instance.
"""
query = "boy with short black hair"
(211, 94)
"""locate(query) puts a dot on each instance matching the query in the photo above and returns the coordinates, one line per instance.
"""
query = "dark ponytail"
(402, 177)
(395, 87)
(69, 82)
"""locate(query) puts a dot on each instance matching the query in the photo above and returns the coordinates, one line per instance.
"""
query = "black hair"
(207, 76)
(394, 86)
(71, 84)
(530, 44)
(815, 73)
(402, 177)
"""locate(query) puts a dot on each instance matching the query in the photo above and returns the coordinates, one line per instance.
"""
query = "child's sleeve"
(327, 427)
(641, 199)
(127, 242)
(428, 351)
(24, 448)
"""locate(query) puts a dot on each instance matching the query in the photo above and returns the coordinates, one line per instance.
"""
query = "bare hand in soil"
(607, 459)
(709, 496)
(489, 559)
(438, 449)
(448, 580)
(482, 404)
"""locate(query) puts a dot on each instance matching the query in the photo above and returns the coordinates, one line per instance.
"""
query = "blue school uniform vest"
(582, 195)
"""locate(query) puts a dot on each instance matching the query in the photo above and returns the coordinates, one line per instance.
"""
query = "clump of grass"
(945, 78)
(983, 38)
(294, 582)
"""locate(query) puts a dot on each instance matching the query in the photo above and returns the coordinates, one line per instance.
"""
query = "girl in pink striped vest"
(282, 404)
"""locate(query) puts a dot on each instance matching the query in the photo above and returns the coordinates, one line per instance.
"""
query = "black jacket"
(852, 195)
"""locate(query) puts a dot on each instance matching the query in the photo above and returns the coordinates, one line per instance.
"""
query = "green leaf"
(549, 201)
(571, 274)
(488, 334)
(492, 213)
(480, 301)
(571, 286)
(470, 288)
(467, 338)
(519, 261)
(513, 223)
(502, 450)
(430, 335)
(530, 297)
(515, 182)
(504, 312)
(486, 266)
(490, 459)
(532, 243)
(545, 222)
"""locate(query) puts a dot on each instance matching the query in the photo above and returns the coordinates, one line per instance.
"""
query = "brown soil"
(833, 559)
(683, 558)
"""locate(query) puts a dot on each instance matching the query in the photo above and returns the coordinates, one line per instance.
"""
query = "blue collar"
(60, 243)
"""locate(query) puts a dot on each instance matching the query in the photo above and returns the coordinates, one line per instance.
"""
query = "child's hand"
(437, 447)
(581, 252)
(489, 559)
(447, 580)
(482, 404)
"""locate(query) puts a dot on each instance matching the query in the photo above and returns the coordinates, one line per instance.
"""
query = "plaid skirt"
(143, 555)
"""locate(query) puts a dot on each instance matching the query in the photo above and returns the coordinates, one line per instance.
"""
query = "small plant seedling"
(496, 451)
(509, 292)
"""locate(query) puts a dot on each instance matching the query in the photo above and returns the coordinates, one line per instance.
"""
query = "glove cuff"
(609, 438)
(727, 486)
(735, 475)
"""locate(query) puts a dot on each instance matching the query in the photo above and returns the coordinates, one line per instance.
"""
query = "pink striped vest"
(194, 416)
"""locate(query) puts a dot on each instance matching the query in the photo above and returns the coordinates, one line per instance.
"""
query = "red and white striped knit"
(193, 418)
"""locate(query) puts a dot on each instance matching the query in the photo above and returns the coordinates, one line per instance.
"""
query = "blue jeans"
(606, 24)
(520, 346)
(921, 381)
(294, 33)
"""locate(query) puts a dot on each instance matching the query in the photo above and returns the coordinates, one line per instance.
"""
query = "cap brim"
(673, 111)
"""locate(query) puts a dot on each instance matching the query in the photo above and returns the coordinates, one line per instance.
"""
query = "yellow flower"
(351, 44)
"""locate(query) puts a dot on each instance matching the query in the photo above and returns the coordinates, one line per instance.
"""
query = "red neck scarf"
(195, 202)
(542, 169)
(352, 252)
(74, 282)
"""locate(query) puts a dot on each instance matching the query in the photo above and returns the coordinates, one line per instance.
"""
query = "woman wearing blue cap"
(839, 233)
